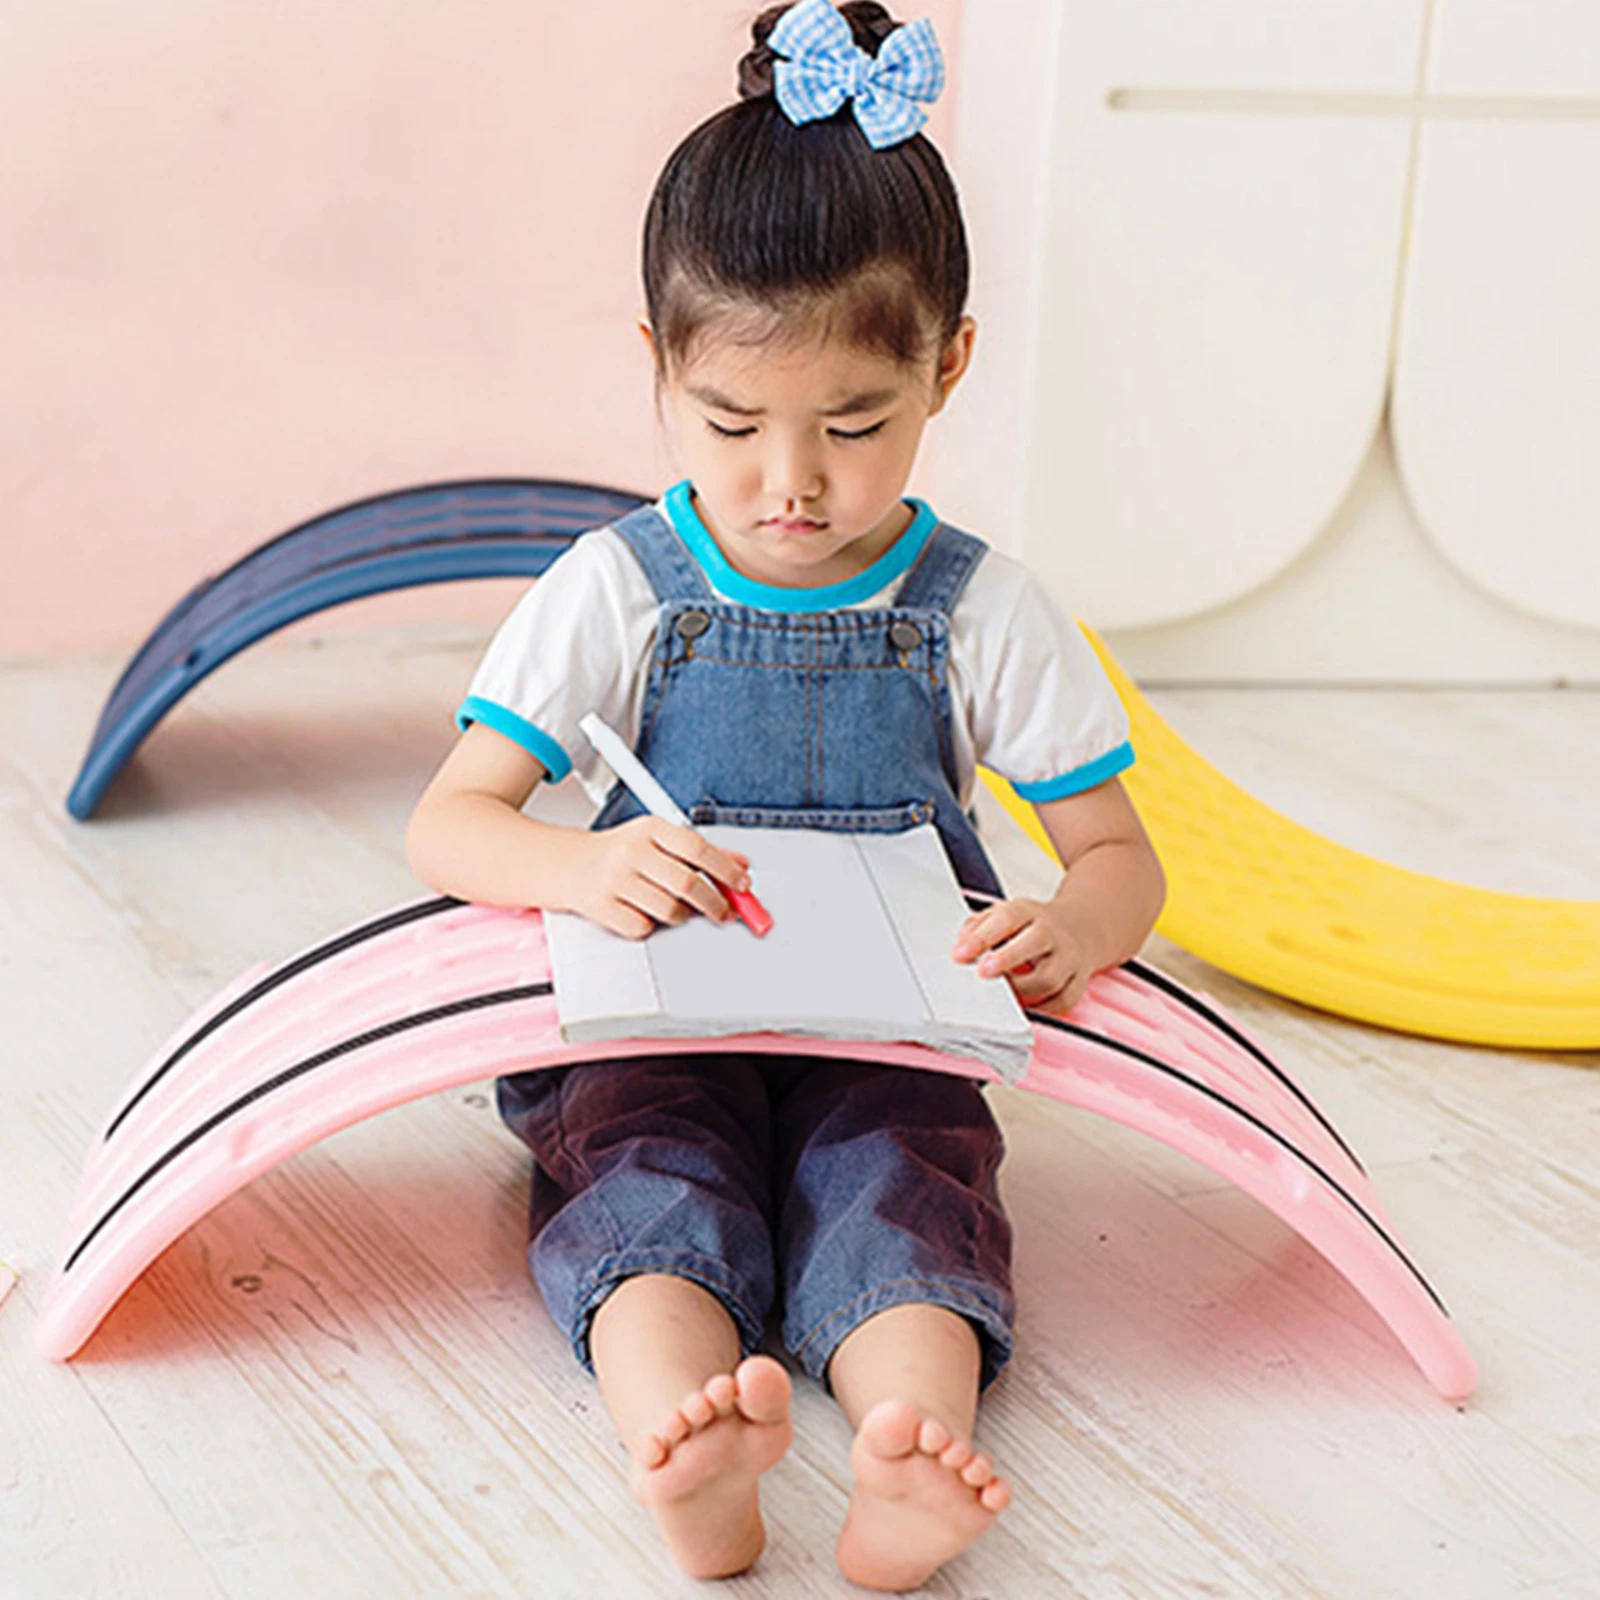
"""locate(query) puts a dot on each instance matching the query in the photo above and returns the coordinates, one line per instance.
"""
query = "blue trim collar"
(725, 579)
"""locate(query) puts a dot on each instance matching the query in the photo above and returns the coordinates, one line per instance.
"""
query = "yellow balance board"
(1280, 906)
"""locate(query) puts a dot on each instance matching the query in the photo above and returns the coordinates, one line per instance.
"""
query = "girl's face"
(799, 457)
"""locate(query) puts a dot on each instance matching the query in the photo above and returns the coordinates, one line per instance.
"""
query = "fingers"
(1017, 940)
(689, 869)
(658, 874)
(657, 900)
(982, 936)
(698, 852)
(1062, 1001)
(1026, 949)
(620, 919)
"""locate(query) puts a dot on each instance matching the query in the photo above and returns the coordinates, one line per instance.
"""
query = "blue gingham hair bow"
(824, 67)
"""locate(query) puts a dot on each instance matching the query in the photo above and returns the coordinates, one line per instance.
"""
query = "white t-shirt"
(1029, 698)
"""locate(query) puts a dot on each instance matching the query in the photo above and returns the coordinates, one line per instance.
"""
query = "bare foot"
(921, 1496)
(697, 1471)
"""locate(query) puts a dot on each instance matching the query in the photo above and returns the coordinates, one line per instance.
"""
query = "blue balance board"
(437, 533)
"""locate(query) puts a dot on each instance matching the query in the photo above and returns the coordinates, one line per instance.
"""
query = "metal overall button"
(905, 636)
(692, 624)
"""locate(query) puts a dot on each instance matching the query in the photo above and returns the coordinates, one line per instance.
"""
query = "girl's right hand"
(646, 873)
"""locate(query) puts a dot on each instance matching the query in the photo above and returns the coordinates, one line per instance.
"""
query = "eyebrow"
(867, 400)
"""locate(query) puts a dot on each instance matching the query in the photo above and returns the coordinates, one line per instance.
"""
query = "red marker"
(752, 913)
(649, 793)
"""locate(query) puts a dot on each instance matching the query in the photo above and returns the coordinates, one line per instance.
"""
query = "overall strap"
(674, 574)
(940, 573)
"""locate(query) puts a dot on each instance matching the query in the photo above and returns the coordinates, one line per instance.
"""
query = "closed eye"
(836, 433)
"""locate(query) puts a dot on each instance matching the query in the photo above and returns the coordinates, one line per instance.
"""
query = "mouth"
(792, 525)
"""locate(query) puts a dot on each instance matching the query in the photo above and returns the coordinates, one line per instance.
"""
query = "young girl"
(786, 637)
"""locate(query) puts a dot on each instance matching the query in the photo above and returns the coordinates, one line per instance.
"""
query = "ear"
(649, 334)
(953, 363)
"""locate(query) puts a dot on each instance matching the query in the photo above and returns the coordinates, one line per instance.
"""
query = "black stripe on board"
(1333, 1183)
(1193, 1001)
(977, 900)
(277, 978)
(387, 1030)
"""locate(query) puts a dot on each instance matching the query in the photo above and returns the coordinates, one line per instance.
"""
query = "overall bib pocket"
(831, 819)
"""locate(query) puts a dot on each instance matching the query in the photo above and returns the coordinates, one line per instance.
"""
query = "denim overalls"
(860, 1186)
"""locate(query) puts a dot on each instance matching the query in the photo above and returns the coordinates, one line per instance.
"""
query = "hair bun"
(870, 24)
(755, 65)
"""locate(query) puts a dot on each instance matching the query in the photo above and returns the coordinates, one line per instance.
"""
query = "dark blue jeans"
(857, 1187)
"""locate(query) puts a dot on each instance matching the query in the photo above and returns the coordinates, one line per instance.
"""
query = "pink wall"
(258, 260)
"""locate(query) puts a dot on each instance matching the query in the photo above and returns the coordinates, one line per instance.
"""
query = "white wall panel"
(1496, 413)
(1218, 293)
(1185, 303)
(1372, 601)
(1327, 46)
(1516, 47)
(1188, 256)
(1213, 350)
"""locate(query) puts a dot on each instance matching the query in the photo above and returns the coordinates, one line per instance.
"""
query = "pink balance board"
(438, 993)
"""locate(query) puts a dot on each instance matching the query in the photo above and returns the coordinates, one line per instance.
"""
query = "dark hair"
(756, 222)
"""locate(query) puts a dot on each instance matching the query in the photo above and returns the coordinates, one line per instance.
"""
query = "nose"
(793, 471)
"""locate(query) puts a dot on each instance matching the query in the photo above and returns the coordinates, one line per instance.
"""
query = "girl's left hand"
(1027, 942)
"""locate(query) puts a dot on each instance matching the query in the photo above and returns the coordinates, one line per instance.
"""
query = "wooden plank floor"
(342, 1383)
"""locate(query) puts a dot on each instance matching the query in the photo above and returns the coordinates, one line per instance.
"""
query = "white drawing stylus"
(639, 781)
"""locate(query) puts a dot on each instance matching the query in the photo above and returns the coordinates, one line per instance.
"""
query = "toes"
(893, 1430)
(722, 1393)
(675, 1429)
(697, 1409)
(763, 1390)
(890, 1429)
(996, 1495)
(653, 1451)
